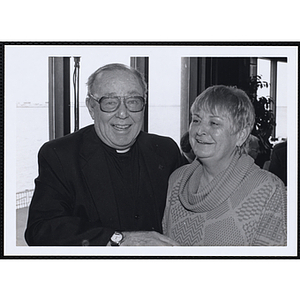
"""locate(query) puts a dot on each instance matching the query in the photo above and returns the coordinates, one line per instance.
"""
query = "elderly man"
(105, 184)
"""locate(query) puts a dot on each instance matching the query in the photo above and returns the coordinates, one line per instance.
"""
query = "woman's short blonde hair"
(227, 101)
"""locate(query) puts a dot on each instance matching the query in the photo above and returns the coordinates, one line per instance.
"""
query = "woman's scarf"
(219, 189)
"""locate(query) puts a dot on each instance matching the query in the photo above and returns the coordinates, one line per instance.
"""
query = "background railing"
(23, 198)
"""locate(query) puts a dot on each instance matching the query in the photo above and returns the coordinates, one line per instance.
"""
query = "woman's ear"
(90, 107)
(242, 136)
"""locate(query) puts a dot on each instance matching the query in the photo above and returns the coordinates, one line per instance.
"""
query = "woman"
(222, 198)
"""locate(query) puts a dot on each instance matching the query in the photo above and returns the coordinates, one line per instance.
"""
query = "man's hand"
(146, 238)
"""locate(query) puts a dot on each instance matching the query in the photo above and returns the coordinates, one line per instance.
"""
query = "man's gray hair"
(117, 66)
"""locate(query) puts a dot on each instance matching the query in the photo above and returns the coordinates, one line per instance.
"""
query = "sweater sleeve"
(272, 227)
(171, 198)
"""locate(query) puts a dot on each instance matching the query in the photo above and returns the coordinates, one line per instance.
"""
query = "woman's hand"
(146, 238)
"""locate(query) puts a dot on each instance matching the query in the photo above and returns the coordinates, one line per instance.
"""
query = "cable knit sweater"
(242, 206)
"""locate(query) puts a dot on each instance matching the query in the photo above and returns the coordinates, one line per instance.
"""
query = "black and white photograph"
(76, 183)
(150, 150)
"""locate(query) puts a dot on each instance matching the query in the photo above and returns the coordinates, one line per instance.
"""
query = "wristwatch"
(116, 239)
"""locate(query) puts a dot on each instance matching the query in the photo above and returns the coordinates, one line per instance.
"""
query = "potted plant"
(264, 118)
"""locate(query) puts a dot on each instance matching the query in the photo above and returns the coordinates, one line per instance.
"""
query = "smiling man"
(119, 113)
(105, 184)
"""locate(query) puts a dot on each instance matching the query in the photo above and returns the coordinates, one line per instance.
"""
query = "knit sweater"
(242, 206)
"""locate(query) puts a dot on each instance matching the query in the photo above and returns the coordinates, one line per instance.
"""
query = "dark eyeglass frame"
(120, 99)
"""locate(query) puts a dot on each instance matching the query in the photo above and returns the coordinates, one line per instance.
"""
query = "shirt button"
(136, 217)
(85, 243)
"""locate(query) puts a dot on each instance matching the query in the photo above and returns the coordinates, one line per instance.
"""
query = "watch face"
(117, 237)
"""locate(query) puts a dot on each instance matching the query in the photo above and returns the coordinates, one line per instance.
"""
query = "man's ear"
(242, 136)
(90, 106)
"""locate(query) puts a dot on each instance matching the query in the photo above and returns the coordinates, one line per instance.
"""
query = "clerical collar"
(122, 151)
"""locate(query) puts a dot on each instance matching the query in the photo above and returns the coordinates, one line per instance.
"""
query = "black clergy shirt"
(136, 211)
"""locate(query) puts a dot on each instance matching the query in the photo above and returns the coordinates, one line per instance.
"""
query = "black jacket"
(278, 162)
(73, 202)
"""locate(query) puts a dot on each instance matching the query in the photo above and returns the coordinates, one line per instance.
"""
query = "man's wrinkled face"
(118, 129)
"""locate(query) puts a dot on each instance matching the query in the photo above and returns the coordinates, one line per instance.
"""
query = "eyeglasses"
(111, 104)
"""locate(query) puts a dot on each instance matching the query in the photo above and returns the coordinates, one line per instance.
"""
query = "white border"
(158, 52)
